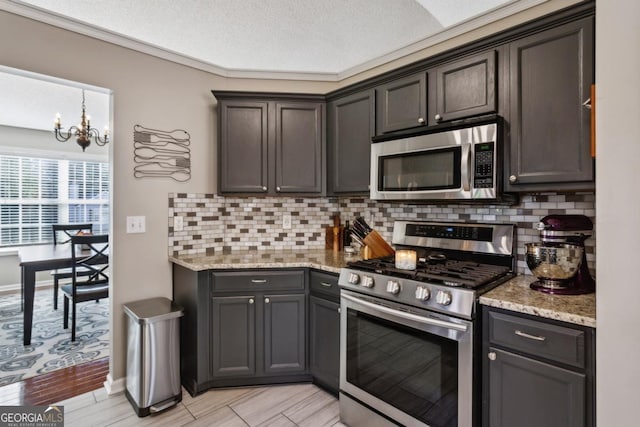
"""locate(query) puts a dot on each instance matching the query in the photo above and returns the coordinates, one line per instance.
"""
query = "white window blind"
(37, 192)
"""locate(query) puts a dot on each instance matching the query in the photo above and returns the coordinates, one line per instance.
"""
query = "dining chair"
(61, 236)
(89, 253)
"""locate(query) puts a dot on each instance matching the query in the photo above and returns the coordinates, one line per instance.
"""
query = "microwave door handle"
(465, 172)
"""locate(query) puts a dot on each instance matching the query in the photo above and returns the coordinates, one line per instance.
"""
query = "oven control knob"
(393, 287)
(422, 293)
(443, 297)
(353, 279)
(367, 281)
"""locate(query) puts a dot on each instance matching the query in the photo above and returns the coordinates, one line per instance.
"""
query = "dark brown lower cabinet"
(324, 330)
(233, 336)
(285, 334)
(242, 327)
(534, 393)
(536, 372)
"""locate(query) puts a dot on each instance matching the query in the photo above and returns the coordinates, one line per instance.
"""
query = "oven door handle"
(408, 316)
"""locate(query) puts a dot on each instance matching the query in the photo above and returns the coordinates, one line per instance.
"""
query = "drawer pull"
(250, 300)
(529, 336)
(326, 285)
(258, 280)
(492, 355)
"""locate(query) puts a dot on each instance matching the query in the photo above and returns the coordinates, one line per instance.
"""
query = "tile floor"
(282, 405)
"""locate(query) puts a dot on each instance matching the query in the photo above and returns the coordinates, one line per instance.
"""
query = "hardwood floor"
(57, 385)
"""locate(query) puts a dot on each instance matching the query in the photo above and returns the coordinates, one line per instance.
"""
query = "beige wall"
(147, 91)
(618, 211)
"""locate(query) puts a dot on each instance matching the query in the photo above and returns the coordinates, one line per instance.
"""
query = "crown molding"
(29, 11)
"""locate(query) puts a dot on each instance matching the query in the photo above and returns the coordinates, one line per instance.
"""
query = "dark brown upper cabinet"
(402, 103)
(463, 88)
(243, 158)
(271, 144)
(299, 145)
(550, 77)
(351, 124)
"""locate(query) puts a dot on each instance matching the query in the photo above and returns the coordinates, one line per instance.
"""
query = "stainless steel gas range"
(408, 336)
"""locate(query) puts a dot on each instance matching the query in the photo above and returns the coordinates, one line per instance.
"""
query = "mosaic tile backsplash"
(213, 223)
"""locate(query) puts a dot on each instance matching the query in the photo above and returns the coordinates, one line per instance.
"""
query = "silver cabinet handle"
(339, 310)
(437, 117)
(326, 285)
(267, 300)
(491, 355)
(258, 280)
(250, 300)
(277, 188)
(264, 188)
(587, 104)
(420, 120)
(513, 179)
(531, 337)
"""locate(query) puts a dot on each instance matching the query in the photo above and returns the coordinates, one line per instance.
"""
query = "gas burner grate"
(466, 274)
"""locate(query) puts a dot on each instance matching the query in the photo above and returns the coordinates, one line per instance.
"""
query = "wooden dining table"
(33, 259)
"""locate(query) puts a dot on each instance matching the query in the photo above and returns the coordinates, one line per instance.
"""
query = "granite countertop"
(319, 259)
(515, 295)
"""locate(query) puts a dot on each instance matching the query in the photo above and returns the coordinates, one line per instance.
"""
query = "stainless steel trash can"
(153, 355)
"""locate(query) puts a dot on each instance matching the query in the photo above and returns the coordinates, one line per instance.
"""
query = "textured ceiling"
(328, 37)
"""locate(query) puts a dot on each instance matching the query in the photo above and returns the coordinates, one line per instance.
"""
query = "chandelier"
(83, 133)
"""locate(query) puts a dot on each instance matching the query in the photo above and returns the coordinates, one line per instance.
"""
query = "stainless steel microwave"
(448, 162)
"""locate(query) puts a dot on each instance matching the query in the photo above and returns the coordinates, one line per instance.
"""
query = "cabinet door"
(298, 152)
(402, 103)
(466, 88)
(284, 334)
(233, 336)
(243, 147)
(551, 75)
(351, 126)
(324, 341)
(524, 392)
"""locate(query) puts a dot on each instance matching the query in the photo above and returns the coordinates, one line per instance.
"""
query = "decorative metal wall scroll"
(159, 153)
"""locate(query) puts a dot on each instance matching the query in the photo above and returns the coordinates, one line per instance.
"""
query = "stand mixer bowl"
(554, 264)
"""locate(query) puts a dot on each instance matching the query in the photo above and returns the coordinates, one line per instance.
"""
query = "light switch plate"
(136, 224)
(286, 221)
(178, 223)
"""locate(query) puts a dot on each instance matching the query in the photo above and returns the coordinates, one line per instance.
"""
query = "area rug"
(51, 346)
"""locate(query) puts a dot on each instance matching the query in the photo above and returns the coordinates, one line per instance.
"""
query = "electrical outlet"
(286, 221)
(136, 224)
(178, 223)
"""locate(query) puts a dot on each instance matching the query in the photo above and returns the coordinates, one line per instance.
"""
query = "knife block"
(378, 247)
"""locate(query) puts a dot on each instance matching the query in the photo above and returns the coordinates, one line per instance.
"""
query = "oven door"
(412, 365)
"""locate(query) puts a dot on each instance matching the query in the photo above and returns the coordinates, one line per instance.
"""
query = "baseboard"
(15, 287)
(114, 386)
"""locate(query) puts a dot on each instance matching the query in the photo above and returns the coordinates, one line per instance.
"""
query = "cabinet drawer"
(553, 342)
(261, 280)
(325, 284)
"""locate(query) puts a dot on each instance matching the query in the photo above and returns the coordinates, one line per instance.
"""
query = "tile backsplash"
(212, 223)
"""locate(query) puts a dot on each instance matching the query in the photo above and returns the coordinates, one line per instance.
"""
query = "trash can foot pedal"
(166, 404)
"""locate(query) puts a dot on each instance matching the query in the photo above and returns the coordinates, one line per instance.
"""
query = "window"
(37, 192)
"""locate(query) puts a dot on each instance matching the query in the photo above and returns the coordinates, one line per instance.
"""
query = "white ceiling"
(315, 39)
(31, 101)
(296, 39)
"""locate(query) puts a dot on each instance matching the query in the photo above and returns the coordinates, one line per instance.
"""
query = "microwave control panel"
(484, 155)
